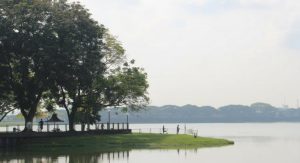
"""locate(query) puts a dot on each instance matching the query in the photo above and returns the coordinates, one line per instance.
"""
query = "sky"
(210, 52)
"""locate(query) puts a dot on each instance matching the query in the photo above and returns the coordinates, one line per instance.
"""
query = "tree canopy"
(25, 47)
(54, 51)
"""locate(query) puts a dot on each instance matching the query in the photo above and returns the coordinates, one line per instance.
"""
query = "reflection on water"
(119, 156)
(254, 142)
(20, 157)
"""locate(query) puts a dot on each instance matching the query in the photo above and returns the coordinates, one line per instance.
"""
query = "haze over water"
(254, 142)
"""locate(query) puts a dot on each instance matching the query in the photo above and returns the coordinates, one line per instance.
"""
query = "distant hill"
(257, 112)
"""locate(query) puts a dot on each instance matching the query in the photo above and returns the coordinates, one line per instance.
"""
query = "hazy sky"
(210, 52)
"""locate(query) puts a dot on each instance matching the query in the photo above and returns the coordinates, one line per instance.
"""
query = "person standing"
(164, 129)
(41, 124)
(177, 131)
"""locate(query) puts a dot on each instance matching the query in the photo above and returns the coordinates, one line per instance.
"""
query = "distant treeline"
(257, 112)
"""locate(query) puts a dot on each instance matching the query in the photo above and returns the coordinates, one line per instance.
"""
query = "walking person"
(41, 125)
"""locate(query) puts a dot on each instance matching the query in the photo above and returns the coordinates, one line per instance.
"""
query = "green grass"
(3, 124)
(124, 142)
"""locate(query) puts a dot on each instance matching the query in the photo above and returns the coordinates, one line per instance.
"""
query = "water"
(254, 142)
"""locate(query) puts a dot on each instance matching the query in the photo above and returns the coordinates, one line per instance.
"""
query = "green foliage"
(54, 54)
(6, 107)
(125, 87)
(7, 103)
(114, 53)
(25, 44)
(87, 116)
(77, 59)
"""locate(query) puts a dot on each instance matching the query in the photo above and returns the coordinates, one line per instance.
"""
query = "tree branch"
(64, 101)
(5, 114)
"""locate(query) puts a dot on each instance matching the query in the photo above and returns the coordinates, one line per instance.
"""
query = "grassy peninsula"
(126, 142)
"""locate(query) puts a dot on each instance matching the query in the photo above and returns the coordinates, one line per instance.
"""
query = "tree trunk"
(28, 123)
(29, 117)
(71, 118)
(82, 126)
(88, 126)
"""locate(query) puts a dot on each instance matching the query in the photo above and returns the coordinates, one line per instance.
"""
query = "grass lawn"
(124, 142)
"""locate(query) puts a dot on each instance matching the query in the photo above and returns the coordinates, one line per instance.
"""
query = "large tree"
(120, 84)
(54, 51)
(124, 87)
(48, 45)
(86, 65)
(25, 47)
(78, 59)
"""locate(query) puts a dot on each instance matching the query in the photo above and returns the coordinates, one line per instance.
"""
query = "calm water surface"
(254, 142)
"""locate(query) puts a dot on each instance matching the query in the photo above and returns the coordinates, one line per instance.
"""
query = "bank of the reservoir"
(124, 142)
